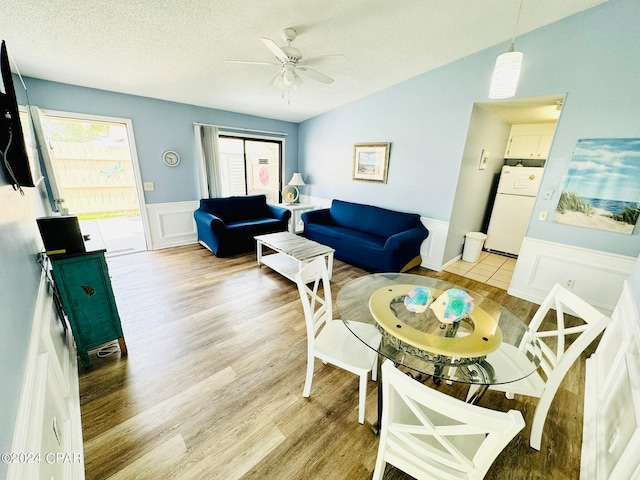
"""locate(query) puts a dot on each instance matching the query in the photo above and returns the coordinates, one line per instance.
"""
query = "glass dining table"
(426, 342)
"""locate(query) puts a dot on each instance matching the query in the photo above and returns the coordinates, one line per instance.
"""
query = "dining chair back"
(561, 345)
(431, 435)
(330, 339)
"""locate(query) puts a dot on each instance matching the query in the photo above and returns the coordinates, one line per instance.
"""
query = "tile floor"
(492, 269)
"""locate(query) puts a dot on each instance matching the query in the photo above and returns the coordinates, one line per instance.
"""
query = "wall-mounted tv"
(13, 153)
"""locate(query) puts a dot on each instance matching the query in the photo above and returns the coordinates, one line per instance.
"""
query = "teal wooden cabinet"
(87, 297)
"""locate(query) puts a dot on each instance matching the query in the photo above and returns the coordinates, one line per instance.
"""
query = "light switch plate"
(484, 159)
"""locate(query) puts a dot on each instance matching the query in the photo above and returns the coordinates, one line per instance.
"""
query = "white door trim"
(132, 147)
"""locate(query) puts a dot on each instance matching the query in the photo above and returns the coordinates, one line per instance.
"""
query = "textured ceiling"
(175, 49)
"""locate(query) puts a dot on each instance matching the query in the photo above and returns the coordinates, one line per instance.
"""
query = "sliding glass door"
(250, 166)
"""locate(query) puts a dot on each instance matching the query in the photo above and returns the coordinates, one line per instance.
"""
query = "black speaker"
(61, 235)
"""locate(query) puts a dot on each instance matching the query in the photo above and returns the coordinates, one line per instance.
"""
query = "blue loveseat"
(227, 225)
(373, 238)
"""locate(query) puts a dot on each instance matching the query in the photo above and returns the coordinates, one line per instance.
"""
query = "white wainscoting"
(48, 424)
(432, 249)
(611, 425)
(596, 276)
(172, 224)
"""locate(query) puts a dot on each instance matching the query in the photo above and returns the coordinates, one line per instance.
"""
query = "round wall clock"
(171, 158)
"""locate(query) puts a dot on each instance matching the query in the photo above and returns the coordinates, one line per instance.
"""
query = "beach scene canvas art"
(602, 189)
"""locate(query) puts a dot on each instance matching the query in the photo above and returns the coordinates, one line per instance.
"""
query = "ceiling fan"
(291, 63)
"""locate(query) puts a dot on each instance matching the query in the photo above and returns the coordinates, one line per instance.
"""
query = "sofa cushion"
(370, 219)
(333, 236)
(256, 226)
(236, 209)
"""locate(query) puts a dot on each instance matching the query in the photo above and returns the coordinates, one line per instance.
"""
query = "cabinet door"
(86, 291)
(523, 146)
(544, 146)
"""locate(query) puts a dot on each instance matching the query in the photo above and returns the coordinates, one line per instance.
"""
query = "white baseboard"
(172, 224)
(452, 261)
(595, 276)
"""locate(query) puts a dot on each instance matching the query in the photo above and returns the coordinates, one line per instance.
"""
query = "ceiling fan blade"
(323, 60)
(314, 74)
(275, 49)
(250, 62)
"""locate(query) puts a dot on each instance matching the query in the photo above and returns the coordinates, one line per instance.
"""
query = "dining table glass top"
(441, 329)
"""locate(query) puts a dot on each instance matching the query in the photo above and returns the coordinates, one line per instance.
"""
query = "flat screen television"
(13, 153)
(61, 235)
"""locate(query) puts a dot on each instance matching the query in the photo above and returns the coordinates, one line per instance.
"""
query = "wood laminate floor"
(212, 385)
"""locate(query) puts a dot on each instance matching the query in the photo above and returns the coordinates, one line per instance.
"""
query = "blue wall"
(158, 126)
(19, 280)
(593, 56)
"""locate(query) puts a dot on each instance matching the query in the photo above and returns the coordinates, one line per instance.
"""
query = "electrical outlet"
(570, 282)
(148, 186)
(542, 216)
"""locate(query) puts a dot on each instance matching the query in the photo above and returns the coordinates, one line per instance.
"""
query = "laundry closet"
(524, 160)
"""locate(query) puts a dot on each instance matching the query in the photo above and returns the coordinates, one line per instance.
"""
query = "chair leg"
(378, 471)
(539, 418)
(307, 383)
(472, 389)
(374, 369)
(363, 396)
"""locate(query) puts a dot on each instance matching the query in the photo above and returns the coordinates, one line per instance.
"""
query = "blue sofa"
(227, 225)
(373, 238)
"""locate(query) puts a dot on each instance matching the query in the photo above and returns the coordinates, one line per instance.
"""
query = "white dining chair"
(556, 360)
(431, 435)
(329, 339)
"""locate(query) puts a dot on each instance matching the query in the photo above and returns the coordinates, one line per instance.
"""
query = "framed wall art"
(602, 189)
(371, 162)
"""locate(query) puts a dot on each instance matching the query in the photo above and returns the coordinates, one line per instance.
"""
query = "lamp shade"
(296, 180)
(506, 75)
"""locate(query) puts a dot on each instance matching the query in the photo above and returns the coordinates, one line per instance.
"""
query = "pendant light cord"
(513, 39)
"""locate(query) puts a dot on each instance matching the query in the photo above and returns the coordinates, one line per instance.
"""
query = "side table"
(297, 209)
(84, 285)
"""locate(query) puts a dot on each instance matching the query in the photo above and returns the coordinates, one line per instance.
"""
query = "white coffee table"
(292, 252)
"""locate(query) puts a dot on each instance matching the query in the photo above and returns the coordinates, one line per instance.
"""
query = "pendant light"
(507, 70)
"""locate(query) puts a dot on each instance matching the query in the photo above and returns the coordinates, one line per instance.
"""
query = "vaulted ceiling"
(176, 49)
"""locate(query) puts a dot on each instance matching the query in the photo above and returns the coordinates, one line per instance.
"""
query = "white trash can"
(473, 243)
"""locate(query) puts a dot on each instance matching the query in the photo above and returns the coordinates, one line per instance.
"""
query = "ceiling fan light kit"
(506, 72)
(291, 63)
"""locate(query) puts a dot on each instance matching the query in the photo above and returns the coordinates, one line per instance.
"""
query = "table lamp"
(293, 194)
